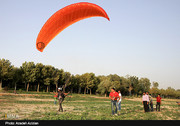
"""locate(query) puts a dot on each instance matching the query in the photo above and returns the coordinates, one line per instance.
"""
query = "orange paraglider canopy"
(64, 18)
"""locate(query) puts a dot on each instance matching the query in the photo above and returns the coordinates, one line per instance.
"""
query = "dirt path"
(12, 94)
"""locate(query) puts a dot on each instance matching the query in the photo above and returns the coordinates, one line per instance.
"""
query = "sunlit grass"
(82, 107)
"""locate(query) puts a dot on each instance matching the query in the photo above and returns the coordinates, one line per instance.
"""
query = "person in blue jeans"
(119, 102)
(151, 102)
(113, 96)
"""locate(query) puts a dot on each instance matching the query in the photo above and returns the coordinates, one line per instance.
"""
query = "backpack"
(61, 95)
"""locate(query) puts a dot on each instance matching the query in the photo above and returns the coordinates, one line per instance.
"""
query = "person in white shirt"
(145, 101)
(148, 101)
(119, 101)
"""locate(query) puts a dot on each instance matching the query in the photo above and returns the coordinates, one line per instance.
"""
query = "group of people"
(116, 99)
(147, 101)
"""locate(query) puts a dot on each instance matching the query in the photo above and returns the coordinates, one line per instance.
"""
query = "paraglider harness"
(61, 95)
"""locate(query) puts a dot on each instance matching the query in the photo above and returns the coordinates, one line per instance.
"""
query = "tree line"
(38, 77)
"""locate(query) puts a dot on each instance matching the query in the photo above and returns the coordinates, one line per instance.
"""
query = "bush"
(6, 88)
(20, 90)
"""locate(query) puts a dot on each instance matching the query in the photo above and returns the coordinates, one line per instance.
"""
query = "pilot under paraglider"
(60, 97)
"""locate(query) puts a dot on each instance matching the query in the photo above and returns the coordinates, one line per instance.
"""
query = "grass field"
(40, 106)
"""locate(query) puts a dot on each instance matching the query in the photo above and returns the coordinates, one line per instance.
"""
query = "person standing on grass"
(61, 96)
(119, 101)
(151, 102)
(145, 100)
(147, 93)
(113, 96)
(158, 99)
(55, 98)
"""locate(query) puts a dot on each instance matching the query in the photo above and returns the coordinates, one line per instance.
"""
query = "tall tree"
(83, 81)
(133, 83)
(170, 92)
(105, 85)
(38, 74)
(47, 73)
(67, 77)
(28, 73)
(90, 81)
(5, 70)
(154, 91)
(72, 83)
(124, 85)
(155, 84)
(17, 76)
(145, 82)
(114, 77)
(78, 82)
(56, 76)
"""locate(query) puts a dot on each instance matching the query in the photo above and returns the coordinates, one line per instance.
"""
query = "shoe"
(116, 114)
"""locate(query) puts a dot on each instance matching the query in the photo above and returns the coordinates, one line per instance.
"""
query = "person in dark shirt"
(61, 95)
(151, 102)
(148, 104)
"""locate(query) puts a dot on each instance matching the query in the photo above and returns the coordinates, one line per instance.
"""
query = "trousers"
(114, 105)
(60, 104)
(145, 106)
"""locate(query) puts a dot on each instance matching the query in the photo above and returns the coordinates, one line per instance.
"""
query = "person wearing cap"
(114, 96)
(61, 96)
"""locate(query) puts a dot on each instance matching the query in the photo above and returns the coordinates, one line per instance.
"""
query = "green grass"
(85, 107)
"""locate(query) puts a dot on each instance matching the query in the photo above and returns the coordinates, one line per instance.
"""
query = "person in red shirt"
(55, 98)
(114, 96)
(158, 99)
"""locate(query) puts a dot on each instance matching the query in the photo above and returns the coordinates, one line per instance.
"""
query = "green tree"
(133, 84)
(28, 73)
(162, 92)
(47, 73)
(154, 91)
(78, 82)
(177, 94)
(17, 76)
(114, 77)
(145, 83)
(5, 70)
(66, 79)
(38, 74)
(56, 76)
(74, 82)
(91, 81)
(105, 85)
(155, 84)
(115, 81)
(88, 80)
(83, 81)
(124, 85)
(170, 92)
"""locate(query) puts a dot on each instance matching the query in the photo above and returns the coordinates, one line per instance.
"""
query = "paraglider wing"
(64, 18)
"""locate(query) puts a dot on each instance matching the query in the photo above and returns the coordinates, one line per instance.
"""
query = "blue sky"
(142, 38)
